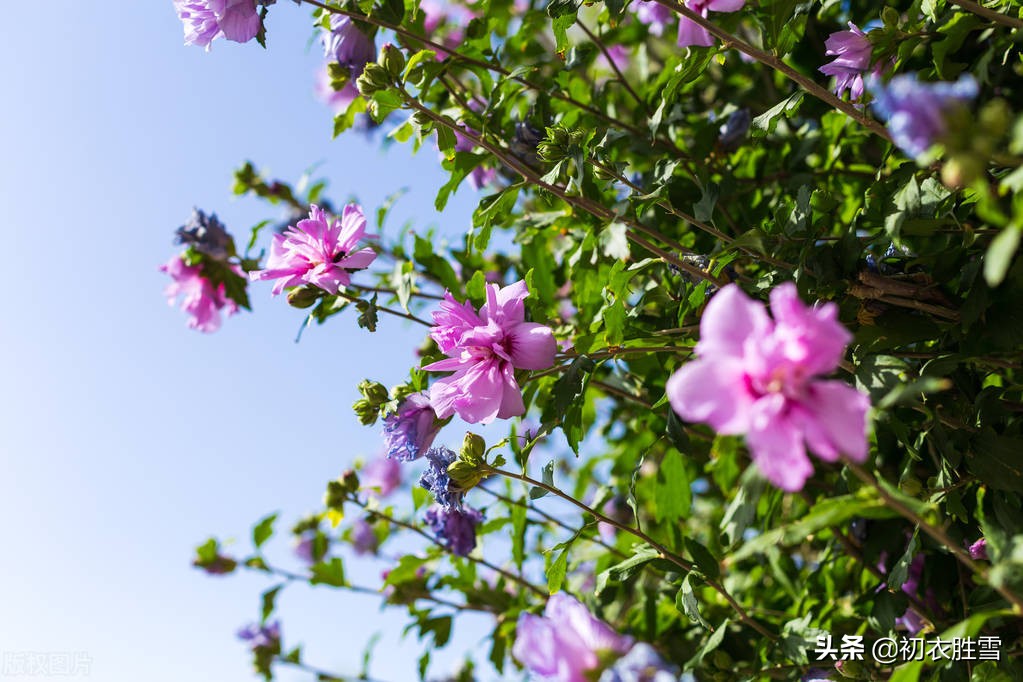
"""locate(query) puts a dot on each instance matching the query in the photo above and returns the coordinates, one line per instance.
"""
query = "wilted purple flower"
(262, 637)
(734, 128)
(319, 251)
(691, 33)
(348, 45)
(200, 298)
(917, 112)
(760, 377)
(655, 15)
(205, 234)
(484, 349)
(641, 664)
(381, 476)
(978, 550)
(566, 643)
(207, 20)
(852, 51)
(409, 432)
(435, 478)
(364, 539)
(455, 527)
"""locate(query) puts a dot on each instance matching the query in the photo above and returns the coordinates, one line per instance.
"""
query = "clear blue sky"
(125, 437)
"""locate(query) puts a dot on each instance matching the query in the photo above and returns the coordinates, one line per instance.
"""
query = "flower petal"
(730, 318)
(690, 33)
(776, 444)
(531, 346)
(837, 420)
(714, 392)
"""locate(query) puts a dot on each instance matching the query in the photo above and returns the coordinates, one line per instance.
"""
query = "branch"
(804, 82)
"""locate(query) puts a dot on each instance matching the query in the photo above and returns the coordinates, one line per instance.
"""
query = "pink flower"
(758, 376)
(201, 299)
(319, 251)
(484, 350)
(654, 15)
(851, 50)
(381, 476)
(567, 642)
(691, 33)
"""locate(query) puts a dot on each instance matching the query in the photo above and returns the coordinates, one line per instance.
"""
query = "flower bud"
(374, 78)
(303, 297)
(374, 391)
(392, 59)
(473, 447)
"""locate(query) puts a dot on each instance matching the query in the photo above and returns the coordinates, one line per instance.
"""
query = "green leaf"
(263, 530)
(557, 570)
(704, 560)
(536, 492)
(1000, 254)
(685, 601)
(766, 122)
(835, 511)
(269, 601)
(996, 460)
(329, 573)
(672, 496)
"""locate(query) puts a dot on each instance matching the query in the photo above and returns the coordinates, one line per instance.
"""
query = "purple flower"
(319, 251)
(917, 113)
(262, 637)
(337, 100)
(619, 58)
(758, 376)
(978, 550)
(641, 664)
(616, 508)
(480, 177)
(851, 50)
(410, 431)
(484, 350)
(207, 20)
(455, 527)
(435, 478)
(456, 17)
(691, 33)
(655, 15)
(200, 298)
(567, 642)
(381, 476)
(364, 540)
(348, 45)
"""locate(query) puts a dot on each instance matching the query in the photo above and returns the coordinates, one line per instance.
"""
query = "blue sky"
(125, 437)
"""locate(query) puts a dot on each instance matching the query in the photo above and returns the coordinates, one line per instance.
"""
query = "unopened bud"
(303, 297)
(374, 78)
(392, 59)
(473, 447)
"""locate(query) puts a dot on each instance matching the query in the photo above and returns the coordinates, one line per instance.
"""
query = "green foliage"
(620, 202)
